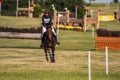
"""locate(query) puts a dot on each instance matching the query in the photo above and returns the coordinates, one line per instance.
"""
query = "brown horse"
(49, 45)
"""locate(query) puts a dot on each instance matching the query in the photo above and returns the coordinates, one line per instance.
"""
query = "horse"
(49, 44)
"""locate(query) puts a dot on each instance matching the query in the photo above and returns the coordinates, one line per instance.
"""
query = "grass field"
(22, 59)
(30, 64)
(19, 22)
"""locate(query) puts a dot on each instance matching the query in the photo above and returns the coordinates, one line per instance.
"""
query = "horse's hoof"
(41, 46)
(52, 61)
(58, 43)
(47, 59)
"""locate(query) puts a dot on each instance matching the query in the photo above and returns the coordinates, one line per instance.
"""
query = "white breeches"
(44, 30)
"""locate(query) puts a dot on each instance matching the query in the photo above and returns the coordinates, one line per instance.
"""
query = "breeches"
(44, 30)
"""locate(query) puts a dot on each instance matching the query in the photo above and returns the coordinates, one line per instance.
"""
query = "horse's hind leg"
(52, 58)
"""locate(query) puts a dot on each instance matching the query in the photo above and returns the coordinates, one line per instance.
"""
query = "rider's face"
(46, 14)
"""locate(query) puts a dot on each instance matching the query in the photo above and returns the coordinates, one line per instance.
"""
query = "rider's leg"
(55, 35)
(42, 36)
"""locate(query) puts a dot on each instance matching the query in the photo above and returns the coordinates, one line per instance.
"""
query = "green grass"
(55, 75)
(114, 26)
(25, 43)
(30, 64)
(19, 22)
(104, 9)
(70, 40)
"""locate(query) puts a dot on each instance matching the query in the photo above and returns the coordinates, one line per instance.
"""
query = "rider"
(47, 22)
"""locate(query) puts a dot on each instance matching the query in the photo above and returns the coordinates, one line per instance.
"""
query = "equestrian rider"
(47, 22)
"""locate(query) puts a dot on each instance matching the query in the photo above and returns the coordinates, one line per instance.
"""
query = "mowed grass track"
(30, 64)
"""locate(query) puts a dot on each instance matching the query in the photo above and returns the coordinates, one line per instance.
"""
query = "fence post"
(89, 66)
(29, 8)
(106, 50)
(17, 8)
(92, 32)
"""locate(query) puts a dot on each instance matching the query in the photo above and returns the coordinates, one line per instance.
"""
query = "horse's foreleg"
(52, 55)
(46, 55)
(52, 58)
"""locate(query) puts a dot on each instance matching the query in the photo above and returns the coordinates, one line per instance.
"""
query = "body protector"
(47, 22)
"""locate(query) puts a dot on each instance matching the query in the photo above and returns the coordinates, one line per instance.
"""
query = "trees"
(115, 1)
(70, 4)
(91, 1)
(9, 6)
(37, 10)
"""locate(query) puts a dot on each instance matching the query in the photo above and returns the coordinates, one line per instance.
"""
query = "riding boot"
(42, 41)
(57, 42)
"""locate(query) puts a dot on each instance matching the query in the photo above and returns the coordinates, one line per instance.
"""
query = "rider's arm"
(51, 23)
(43, 22)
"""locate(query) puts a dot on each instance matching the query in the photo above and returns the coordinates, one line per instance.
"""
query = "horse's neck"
(49, 32)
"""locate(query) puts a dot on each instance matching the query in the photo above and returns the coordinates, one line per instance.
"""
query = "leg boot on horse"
(52, 59)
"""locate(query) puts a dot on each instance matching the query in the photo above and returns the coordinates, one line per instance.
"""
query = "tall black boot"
(42, 41)
(56, 39)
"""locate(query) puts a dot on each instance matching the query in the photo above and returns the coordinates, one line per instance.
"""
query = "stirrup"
(41, 46)
(57, 43)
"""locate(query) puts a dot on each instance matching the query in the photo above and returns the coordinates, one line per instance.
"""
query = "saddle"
(45, 37)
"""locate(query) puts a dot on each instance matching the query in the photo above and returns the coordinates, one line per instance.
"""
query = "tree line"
(9, 6)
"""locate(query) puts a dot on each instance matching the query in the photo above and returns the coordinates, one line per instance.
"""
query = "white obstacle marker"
(93, 34)
(89, 62)
(89, 65)
(106, 50)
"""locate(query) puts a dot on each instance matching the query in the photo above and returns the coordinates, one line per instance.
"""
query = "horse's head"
(49, 34)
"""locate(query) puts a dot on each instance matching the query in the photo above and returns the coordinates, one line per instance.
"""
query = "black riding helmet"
(46, 12)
